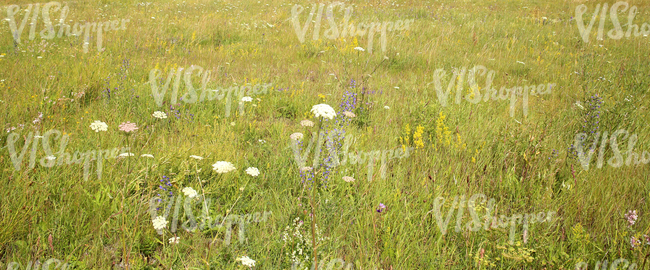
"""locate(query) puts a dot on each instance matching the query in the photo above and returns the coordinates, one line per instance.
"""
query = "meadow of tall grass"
(327, 211)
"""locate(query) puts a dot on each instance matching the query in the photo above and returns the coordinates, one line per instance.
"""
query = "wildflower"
(634, 242)
(306, 169)
(126, 155)
(631, 217)
(247, 99)
(98, 126)
(359, 49)
(349, 114)
(323, 110)
(159, 115)
(50, 157)
(381, 208)
(174, 240)
(296, 136)
(261, 141)
(232, 123)
(196, 157)
(246, 261)
(386, 107)
(348, 179)
(223, 167)
(159, 223)
(306, 123)
(128, 127)
(146, 155)
(189, 192)
(252, 171)
(647, 239)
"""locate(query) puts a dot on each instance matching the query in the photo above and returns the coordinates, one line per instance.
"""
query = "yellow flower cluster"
(417, 137)
(442, 131)
(518, 253)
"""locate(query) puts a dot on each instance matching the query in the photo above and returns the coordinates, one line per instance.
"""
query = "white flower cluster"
(296, 136)
(159, 115)
(323, 110)
(300, 242)
(98, 126)
(223, 167)
(159, 223)
(246, 261)
(189, 192)
(252, 171)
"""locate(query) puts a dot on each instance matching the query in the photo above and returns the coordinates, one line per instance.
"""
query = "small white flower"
(359, 49)
(349, 114)
(386, 107)
(98, 126)
(126, 155)
(50, 157)
(247, 99)
(323, 110)
(223, 167)
(296, 136)
(196, 157)
(232, 123)
(174, 240)
(306, 123)
(306, 169)
(252, 171)
(189, 192)
(159, 223)
(246, 261)
(261, 141)
(159, 115)
(348, 179)
(146, 155)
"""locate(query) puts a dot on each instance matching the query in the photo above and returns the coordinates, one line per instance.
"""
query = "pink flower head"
(128, 127)
(631, 217)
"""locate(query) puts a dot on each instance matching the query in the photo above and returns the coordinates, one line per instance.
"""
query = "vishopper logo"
(50, 158)
(474, 96)
(614, 266)
(192, 96)
(206, 221)
(48, 33)
(615, 161)
(489, 220)
(56, 263)
(335, 160)
(617, 32)
(333, 32)
(331, 264)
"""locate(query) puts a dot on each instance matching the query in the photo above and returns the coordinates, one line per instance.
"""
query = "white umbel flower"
(223, 167)
(246, 261)
(159, 115)
(252, 171)
(147, 155)
(196, 157)
(359, 49)
(174, 240)
(348, 179)
(349, 114)
(306, 123)
(247, 99)
(323, 110)
(126, 155)
(159, 223)
(98, 126)
(296, 136)
(189, 192)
